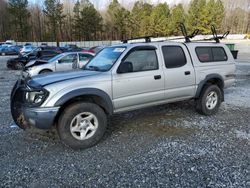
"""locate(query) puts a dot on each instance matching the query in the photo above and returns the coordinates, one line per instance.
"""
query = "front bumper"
(25, 116)
(42, 118)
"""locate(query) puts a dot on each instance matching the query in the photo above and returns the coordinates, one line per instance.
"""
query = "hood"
(46, 79)
(17, 59)
(35, 63)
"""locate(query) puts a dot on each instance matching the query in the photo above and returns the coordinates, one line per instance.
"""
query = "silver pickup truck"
(121, 78)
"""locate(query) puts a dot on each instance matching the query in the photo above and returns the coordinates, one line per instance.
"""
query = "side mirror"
(125, 67)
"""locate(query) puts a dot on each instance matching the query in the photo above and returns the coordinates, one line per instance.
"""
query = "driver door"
(66, 62)
(84, 59)
(141, 83)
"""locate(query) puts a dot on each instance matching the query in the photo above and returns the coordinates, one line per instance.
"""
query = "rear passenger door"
(179, 72)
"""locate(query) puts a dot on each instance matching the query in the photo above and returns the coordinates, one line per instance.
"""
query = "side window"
(142, 60)
(68, 58)
(219, 54)
(85, 57)
(174, 56)
(204, 54)
(211, 54)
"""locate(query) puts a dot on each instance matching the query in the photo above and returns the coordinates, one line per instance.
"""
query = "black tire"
(45, 71)
(67, 117)
(19, 66)
(201, 106)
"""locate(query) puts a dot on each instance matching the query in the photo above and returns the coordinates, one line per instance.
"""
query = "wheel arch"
(211, 79)
(46, 69)
(96, 96)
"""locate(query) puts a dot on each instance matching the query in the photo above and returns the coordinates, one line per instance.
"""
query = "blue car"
(10, 50)
(27, 49)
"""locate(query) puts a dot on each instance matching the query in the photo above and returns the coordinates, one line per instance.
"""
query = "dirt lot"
(165, 146)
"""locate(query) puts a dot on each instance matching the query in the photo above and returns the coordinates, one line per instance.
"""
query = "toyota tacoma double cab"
(122, 78)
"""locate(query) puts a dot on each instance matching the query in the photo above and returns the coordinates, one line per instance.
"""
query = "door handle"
(157, 77)
(187, 73)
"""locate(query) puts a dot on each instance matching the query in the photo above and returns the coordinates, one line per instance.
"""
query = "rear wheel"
(82, 125)
(209, 100)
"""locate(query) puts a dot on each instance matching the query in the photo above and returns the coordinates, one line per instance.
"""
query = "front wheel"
(82, 125)
(19, 66)
(209, 100)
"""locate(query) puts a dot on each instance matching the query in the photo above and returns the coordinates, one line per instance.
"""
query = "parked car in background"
(19, 62)
(27, 49)
(28, 44)
(94, 49)
(44, 44)
(10, 42)
(10, 50)
(54, 48)
(62, 62)
(71, 48)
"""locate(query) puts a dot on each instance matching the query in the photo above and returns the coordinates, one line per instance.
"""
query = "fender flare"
(105, 99)
(210, 77)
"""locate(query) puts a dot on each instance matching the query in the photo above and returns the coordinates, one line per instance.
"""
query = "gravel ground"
(165, 146)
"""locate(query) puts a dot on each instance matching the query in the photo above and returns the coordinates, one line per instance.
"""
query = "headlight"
(35, 98)
(31, 68)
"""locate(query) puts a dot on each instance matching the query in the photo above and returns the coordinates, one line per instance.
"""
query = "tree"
(196, 14)
(87, 20)
(53, 10)
(90, 21)
(77, 21)
(140, 17)
(4, 21)
(18, 10)
(178, 16)
(202, 15)
(218, 14)
(159, 20)
(118, 19)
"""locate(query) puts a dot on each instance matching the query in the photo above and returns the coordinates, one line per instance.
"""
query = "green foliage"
(159, 20)
(18, 10)
(87, 20)
(56, 23)
(118, 19)
(53, 10)
(178, 16)
(141, 19)
(202, 15)
(77, 20)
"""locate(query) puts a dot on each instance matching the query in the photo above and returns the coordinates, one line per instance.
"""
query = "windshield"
(56, 58)
(105, 59)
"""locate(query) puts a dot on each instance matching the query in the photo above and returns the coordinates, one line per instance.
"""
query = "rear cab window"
(211, 54)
